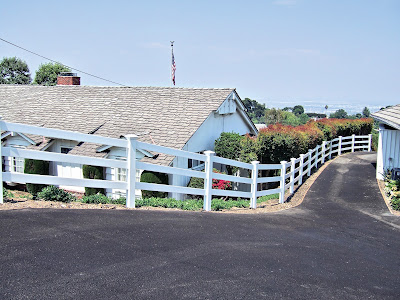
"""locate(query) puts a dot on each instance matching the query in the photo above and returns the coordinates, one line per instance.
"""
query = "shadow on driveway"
(341, 243)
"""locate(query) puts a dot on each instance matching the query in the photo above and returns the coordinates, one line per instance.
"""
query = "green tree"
(273, 116)
(14, 71)
(290, 119)
(304, 118)
(255, 110)
(47, 73)
(339, 114)
(366, 113)
(298, 110)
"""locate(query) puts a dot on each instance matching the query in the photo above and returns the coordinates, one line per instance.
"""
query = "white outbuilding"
(388, 157)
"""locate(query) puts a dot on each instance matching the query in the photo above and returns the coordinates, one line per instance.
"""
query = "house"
(388, 157)
(182, 118)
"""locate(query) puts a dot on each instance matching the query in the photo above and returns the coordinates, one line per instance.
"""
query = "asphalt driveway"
(341, 243)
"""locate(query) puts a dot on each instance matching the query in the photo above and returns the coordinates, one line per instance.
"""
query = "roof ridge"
(117, 87)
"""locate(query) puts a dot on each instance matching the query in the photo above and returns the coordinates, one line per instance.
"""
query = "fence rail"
(290, 172)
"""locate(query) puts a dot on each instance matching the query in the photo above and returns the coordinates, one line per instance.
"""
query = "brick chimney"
(66, 78)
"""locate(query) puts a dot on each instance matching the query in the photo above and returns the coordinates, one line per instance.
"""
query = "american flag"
(173, 68)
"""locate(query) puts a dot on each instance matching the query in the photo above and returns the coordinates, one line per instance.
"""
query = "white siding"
(13, 140)
(120, 153)
(388, 151)
(204, 139)
(63, 169)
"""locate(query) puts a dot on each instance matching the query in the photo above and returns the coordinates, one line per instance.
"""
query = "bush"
(332, 128)
(279, 142)
(93, 172)
(53, 193)
(395, 203)
(7, 194)
(153, 177)
(228, 145)
(102, 199)
(392, 189)
(191, 204)
(218, 184)
(219, 204)
(33, 166)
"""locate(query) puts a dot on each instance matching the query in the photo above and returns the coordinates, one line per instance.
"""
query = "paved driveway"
(341, 243)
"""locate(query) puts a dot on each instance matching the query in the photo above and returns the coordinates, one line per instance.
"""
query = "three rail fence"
(289, 173)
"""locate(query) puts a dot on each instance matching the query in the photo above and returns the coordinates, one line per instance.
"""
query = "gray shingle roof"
(165, 116)
(390, 116)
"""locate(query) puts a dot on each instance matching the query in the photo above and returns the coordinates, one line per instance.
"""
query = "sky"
(273, 51)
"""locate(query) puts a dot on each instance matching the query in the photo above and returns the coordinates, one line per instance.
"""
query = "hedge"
(33, 166)
(278, 142)
(93, 172)
(153, 177)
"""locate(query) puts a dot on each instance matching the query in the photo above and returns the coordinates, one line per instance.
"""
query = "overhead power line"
(61, 63)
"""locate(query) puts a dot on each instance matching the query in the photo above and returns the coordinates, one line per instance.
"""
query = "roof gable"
(389, 116)
(163, 116)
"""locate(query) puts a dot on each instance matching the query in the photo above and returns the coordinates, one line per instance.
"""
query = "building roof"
(389, 116)
(162, 116)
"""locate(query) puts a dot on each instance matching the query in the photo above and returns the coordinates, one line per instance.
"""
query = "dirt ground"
(20, 200)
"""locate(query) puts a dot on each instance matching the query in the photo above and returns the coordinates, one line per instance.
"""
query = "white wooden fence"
(291, 173)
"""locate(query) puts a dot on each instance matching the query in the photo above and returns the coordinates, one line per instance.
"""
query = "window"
(17, 164)
(120, 174)
(65, 150)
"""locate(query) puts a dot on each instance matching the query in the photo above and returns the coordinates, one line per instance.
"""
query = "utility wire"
(61, 63)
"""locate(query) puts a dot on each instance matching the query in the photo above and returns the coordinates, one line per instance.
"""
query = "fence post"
(353, 140)
(340, 146)
(283, 174)
(309, 162)
(330, 150)
(316, 156)
(131, 172)
(301, 169)
(292, 168)
(208, 180)
(369, 142)
(1, 171)
(323, 152)
(254, 176)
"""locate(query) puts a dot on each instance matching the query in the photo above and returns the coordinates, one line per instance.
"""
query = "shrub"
(7, 194)
(102, 199)
(249, 149)
(53, 193)
(153, 177)
(375, 139)
(228, 145)
(190, 204)
(93, 172)
(395, 203)
(332, 128)
(219, 204)
(392, 189)
(218, 184)
(33, 166)
(279, 142)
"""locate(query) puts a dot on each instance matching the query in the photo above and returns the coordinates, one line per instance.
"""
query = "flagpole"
(170, 71)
